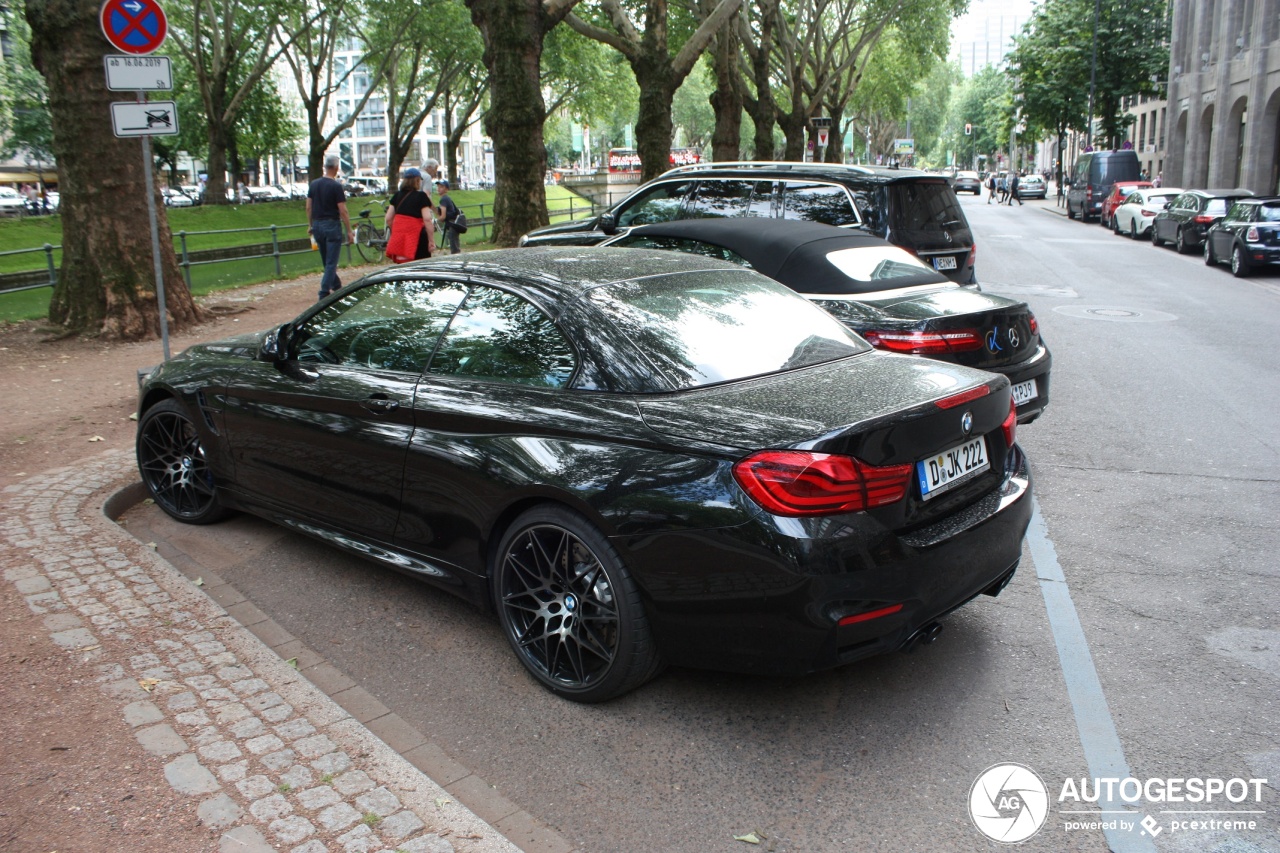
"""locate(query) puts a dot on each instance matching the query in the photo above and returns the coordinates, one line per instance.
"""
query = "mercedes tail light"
(1010, 425)
(1033, 323)
(1146, 212)
(925, 343)
(1203, 219)
(801, 483)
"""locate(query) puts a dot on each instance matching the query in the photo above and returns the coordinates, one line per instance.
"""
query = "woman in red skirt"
(409, 221)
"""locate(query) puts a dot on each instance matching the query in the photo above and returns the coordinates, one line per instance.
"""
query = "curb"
(268, 759)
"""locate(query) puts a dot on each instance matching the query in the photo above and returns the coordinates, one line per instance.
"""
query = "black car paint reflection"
(562, 386)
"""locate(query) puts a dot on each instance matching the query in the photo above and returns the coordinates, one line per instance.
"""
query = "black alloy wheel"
(1155, 234)
(570, 609)
(173, 465)
(1071, 214)
(1239, 263)
(1209, 259)
(1115, 225)
(1133, 228)
(1180, 242)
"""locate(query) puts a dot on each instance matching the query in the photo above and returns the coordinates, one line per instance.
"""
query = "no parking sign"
(136, 27)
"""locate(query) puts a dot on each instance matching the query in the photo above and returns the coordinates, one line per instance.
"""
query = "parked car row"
(615, 448)
(1227, 226)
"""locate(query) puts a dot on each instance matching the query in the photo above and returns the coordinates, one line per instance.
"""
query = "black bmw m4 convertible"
(634, 457)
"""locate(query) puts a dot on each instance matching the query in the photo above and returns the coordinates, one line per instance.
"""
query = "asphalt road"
(1157, 469)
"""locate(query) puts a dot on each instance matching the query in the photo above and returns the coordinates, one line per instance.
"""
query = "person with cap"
(326, 218)
(409, 220)
(447, 212)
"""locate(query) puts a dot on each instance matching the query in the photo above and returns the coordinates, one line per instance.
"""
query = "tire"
(1155, 235)
(1133, 229)
(1239, 264)
(570, 609)
(1071, 214)
(368, 244)
(1115, 225)
(1209, 259)
(174, 469)
(1180, 242)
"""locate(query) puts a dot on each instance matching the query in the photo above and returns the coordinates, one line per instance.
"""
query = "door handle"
(380, 405)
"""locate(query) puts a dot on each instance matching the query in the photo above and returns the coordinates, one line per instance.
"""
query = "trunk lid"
(880, 408)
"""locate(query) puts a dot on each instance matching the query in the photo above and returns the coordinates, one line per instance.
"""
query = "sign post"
(822, 124)
(138, 28)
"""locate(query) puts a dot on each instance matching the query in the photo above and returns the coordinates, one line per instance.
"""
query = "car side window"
(682, 244)
(826, 203)
(660, 204)
(763, 200)
(1237, 213)
(718, 199)
(388, 325)
(501, 337)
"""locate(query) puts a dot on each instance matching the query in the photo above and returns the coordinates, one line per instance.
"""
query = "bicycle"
(371, 240)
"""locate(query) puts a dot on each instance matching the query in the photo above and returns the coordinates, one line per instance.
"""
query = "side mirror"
(275, 345)
(608, 223)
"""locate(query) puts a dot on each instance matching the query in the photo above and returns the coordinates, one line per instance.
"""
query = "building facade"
(1224, 95)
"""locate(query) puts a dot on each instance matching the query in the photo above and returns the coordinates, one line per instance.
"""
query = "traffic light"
(968, 130)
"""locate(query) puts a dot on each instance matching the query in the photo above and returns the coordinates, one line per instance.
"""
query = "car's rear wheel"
(172, 462)
(1239, 263)
(570, 609)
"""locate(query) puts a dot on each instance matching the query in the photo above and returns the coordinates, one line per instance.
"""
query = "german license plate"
(952, 467)
(944, 262)
(1024, 391)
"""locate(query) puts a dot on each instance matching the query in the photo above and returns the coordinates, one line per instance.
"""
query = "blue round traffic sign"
(136, 27)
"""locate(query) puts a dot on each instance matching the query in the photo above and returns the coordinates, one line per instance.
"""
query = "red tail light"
(800, 483)
(1033, 323)
(973, 254)
(963, 397)
(1010, 425)
(925, 343)
(871, 614)
(1149, 212)
(1088, 193)
(1252, 234)
(1202, 219)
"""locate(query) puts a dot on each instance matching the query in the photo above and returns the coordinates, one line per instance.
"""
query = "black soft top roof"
(791, 251)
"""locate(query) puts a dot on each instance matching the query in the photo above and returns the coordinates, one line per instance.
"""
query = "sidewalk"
(261, 758)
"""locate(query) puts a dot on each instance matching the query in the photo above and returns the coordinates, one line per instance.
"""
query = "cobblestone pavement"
(265, 757)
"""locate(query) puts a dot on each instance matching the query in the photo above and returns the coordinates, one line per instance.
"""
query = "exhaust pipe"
(923, 637)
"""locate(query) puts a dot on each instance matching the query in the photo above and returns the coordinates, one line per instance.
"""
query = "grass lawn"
(244, 224)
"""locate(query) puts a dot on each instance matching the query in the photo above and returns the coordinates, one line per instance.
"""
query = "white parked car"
(12, 202)
(176, 198)
(1139, 208)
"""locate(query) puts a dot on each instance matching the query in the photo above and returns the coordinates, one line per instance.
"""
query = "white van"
(372, 186)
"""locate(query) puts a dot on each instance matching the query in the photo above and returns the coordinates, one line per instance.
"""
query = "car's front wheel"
(1209, 259)
(1133, 229)
(172, 462)
(1180, 242)
(570, 609)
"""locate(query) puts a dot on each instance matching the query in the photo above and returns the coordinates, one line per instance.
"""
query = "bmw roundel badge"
(966, 422)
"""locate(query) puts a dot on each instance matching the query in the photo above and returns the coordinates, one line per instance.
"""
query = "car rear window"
(716, 326)
(1269, 213)
(924, 206)
(1216, 207)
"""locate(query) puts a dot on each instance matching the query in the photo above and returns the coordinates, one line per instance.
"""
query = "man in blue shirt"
(327, 216)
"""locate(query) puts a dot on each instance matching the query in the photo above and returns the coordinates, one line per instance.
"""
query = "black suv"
(917, 211)
(1185, 220)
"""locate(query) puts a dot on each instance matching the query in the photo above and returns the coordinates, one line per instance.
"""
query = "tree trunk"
(106, 285)
(835, 138)
(513, 32)
(793, 126)
(654, 127)
(726, 100)
(219, 136)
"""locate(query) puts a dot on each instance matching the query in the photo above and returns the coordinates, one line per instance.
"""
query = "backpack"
(459, 223)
